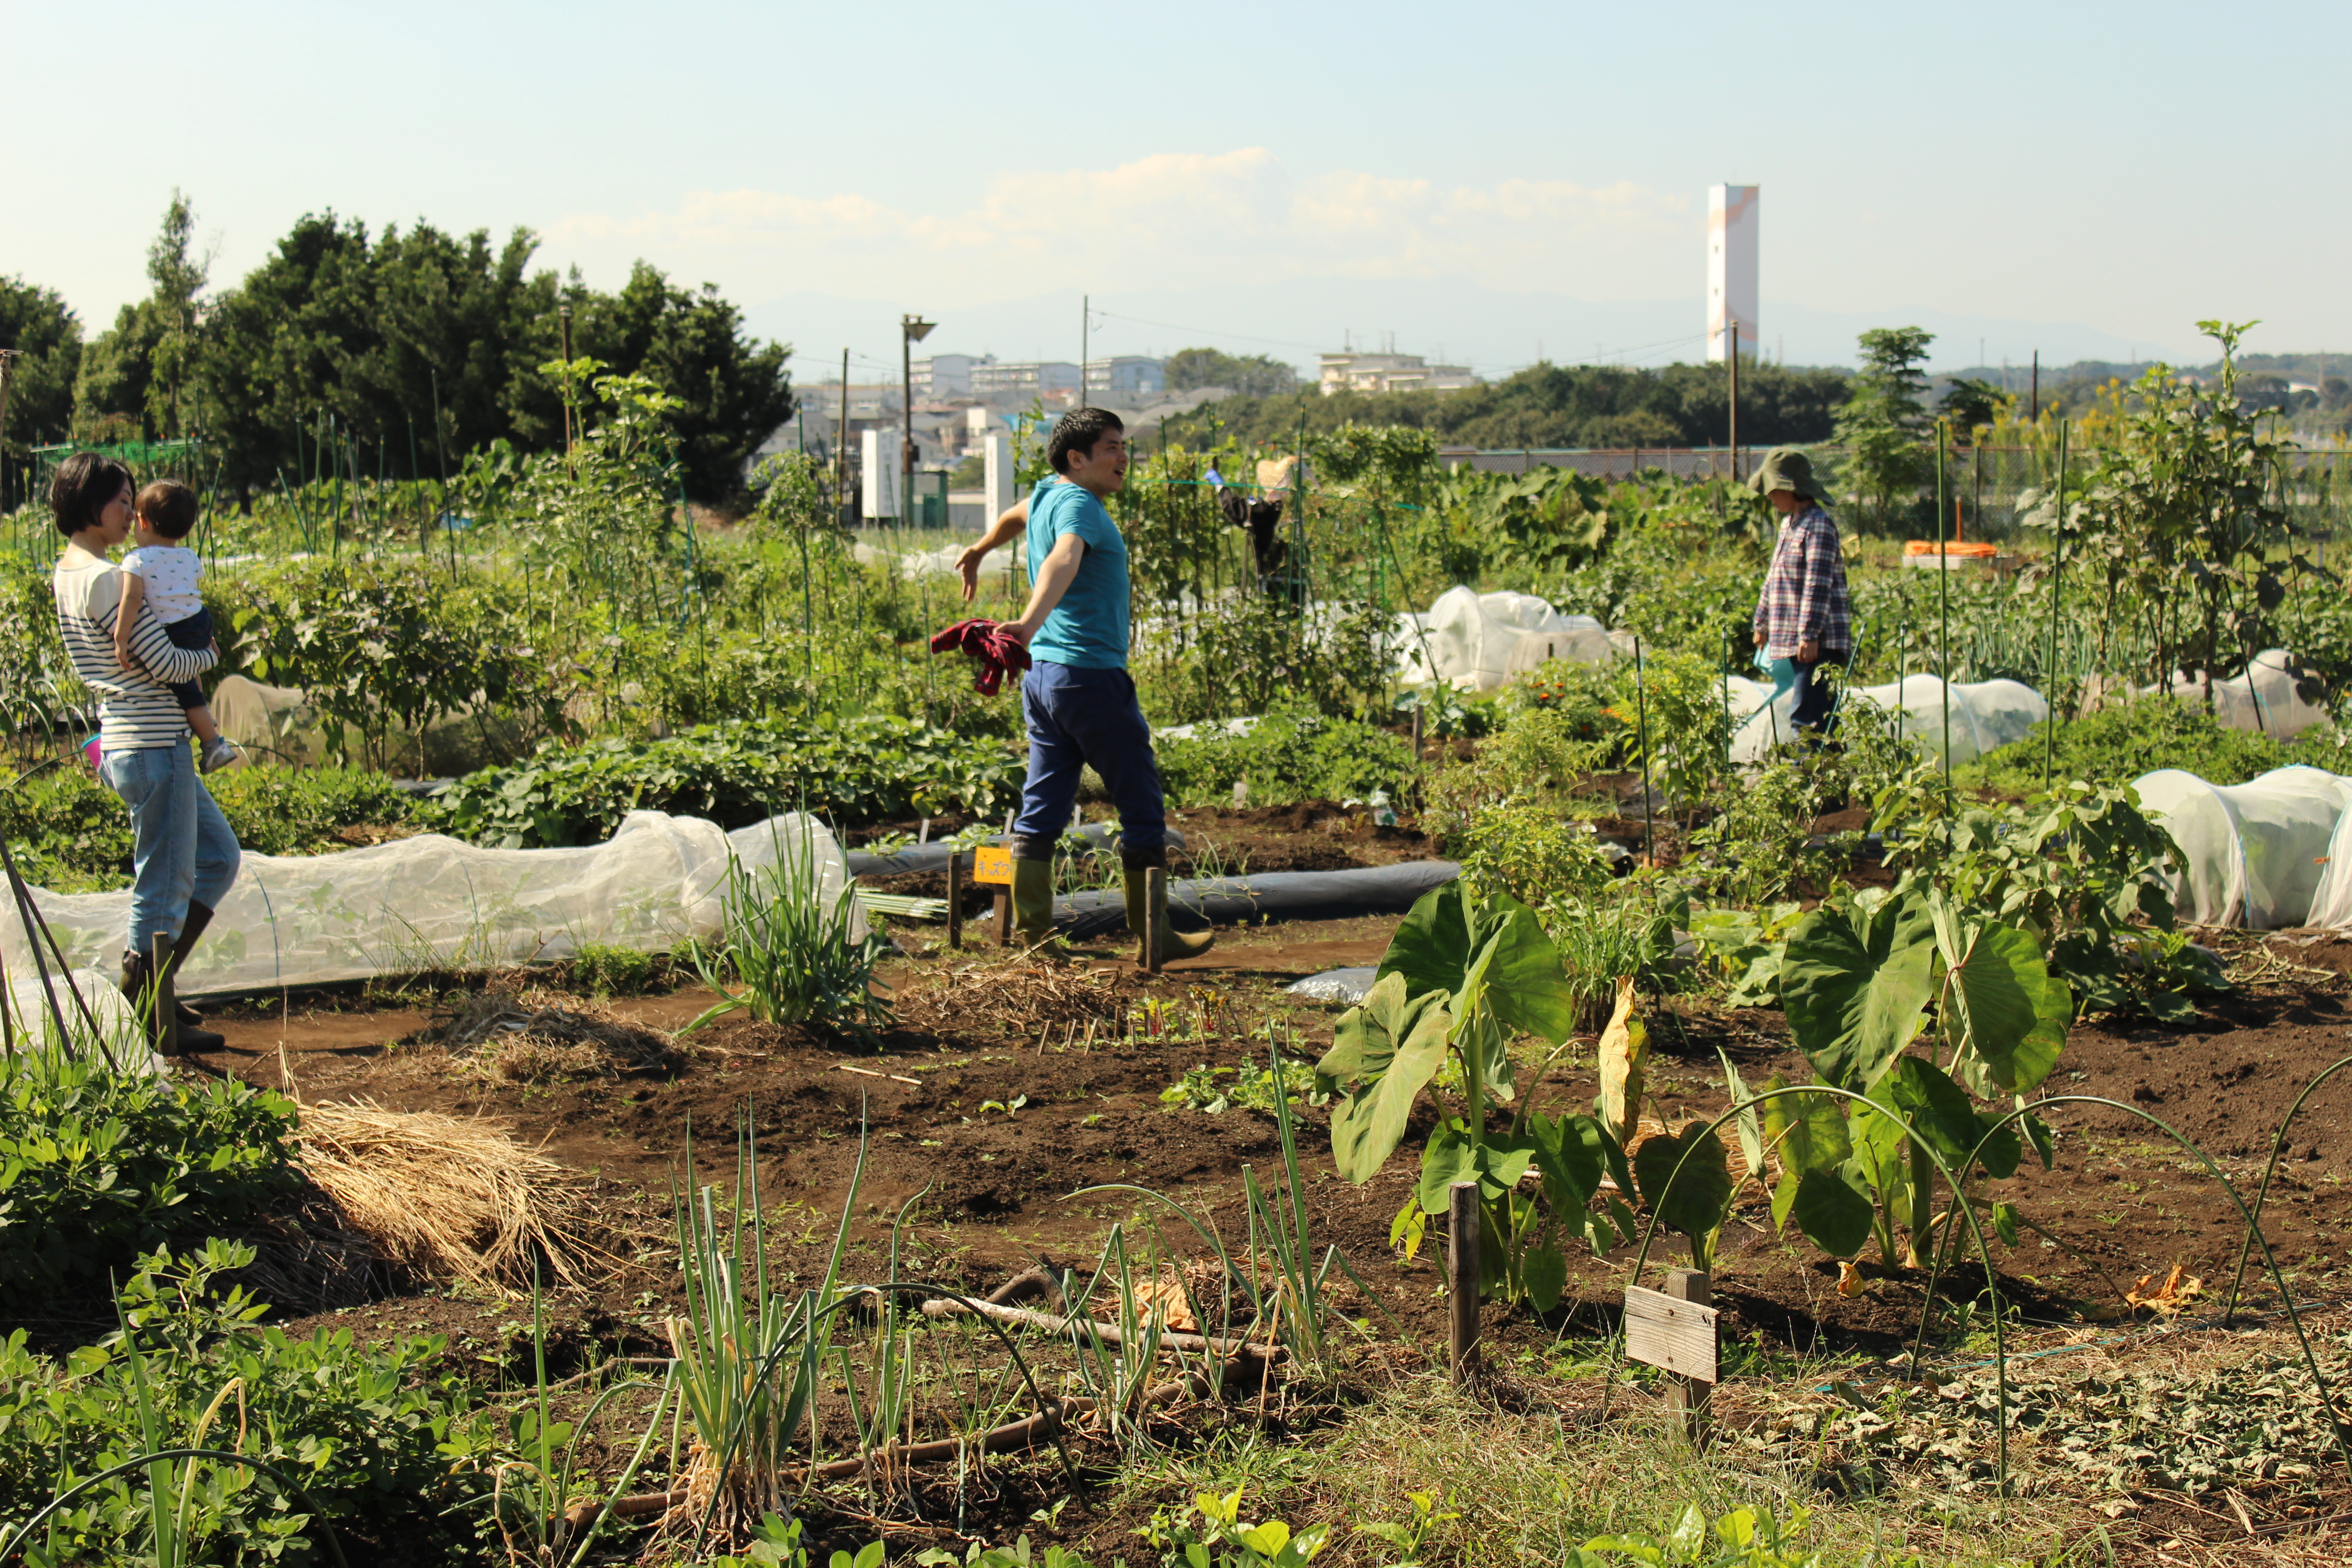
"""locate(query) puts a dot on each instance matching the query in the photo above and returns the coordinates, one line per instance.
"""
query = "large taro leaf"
(1938, 1109)
(1449, 1157)
(1431, 950)
(1569, 1157)
(2002, 1005)
(1387, 1047)
(1810, 1132)
(1855, 984)
(1693, 1199)
(1833, 1216)
(1544, 1273)
(1448, 932)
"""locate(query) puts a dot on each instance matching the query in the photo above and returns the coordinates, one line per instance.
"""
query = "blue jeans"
(1079, 716)
(1814, 713)
(182, 847)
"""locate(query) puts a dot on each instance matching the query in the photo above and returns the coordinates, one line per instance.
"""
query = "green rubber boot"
(1173, 944)
(1032, 907)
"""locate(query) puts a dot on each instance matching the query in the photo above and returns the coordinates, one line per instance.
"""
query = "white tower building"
(1730, 267)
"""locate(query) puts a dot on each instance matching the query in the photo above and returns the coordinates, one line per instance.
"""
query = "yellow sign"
(992, 864)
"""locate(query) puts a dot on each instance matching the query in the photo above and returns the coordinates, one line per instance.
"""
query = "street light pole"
(912, 330)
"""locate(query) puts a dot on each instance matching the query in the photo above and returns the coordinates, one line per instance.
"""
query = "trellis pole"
(1944, 621)
(2057, 562)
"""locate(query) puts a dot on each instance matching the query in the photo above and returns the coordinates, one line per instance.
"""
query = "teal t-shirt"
(1089, 627)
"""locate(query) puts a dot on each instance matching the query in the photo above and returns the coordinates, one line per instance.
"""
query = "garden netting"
(1474, 640)
(2253, 854)
(2262, 697)
(434, 902)
(1985, 715)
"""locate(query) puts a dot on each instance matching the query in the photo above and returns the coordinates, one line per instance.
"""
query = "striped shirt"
(1804, 596)
(136, 709)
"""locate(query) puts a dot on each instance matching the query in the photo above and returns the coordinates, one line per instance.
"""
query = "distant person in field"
(1804, 622)
(184, 857)
(1077, 696)
(167, 577)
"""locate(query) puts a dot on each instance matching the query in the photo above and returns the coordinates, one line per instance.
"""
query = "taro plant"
(1863, 981)
(1463, 974)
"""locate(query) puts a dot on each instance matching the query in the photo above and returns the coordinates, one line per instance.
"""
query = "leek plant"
(748, 1360)
(532, 1496)
(794, 945)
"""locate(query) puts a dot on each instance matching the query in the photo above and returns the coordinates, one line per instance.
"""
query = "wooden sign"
(1671, 1334)
(992, 863)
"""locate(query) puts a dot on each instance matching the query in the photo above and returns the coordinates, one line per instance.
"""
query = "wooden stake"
(1155, 916)
(1461, 1282)
(955, 900)
(1688, 1395)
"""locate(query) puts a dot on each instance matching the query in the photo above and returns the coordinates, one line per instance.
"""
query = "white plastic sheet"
(1985, 715)
(2256, 854)
(1468, 638)
(433, 901)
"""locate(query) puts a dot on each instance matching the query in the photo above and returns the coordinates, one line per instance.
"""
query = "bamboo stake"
(1944, 625)
(2057, 562)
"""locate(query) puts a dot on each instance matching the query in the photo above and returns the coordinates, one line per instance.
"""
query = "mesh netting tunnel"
(2253, 854)
(1985, 715)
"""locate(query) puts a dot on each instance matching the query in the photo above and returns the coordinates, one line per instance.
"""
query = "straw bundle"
(1014, 997)
(446, 1197)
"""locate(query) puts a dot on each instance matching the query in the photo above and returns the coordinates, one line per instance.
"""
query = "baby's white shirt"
(173, 575)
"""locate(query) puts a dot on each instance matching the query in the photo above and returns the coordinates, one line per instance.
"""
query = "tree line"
(1555, 406)
(387, 353)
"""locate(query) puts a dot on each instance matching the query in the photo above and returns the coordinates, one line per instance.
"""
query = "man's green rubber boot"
(1032, 907)
(1173, 944)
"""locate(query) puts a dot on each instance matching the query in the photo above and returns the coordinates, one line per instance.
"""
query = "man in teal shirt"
(1077, 696)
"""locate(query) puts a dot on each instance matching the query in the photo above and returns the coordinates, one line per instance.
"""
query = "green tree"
(1883, 423)
(142, 370)
(1250, 375)
(1552, 405)
(36, 324)
(1970, 403)
(373, 334)
(731, 392)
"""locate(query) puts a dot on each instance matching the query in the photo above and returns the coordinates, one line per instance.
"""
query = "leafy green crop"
(98, 1165)
(1292, 753)
(860, 768)
(356, 1427)
(71, 835)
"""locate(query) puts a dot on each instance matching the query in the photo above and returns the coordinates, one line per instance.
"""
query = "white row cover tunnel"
(432, 902)
(2273, 852)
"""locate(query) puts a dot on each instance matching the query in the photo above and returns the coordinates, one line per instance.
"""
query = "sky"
(1488, 182)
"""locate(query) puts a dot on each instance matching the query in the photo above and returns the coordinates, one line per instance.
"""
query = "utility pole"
(841, 437)
(912, 330)
(2034, 401)
(1731, 325)
(1086, 343)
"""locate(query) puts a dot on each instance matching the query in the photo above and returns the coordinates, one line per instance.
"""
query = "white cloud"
(1172, 220)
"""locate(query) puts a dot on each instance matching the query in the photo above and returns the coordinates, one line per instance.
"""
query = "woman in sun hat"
(1803, 619)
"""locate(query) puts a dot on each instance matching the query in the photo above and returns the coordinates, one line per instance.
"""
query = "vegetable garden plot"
(436, 903)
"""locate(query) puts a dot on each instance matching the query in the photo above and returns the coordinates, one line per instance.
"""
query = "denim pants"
(182, 847)
(1812, 713)
(1080, 716)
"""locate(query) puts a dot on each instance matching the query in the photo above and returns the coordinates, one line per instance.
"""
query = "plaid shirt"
(1804, 592)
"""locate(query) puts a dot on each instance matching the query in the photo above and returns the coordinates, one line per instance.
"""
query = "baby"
(165, 575)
